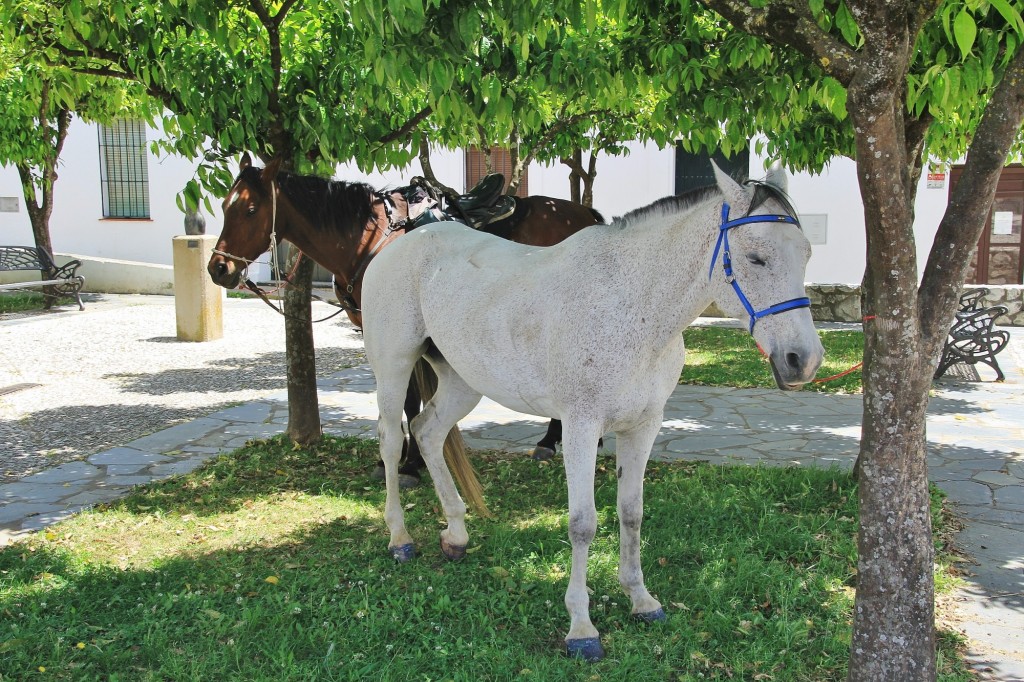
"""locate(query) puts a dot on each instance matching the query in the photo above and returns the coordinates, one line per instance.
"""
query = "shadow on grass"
(753, 567)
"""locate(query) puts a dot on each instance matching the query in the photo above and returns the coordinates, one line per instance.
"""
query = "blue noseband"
(723, 246)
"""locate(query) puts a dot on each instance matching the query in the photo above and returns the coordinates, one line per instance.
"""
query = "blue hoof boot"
(543, 454)
(403, 553)
(588, 648)
(453, 552)
(651, 616)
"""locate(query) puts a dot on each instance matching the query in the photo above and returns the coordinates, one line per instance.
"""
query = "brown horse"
(343, 225)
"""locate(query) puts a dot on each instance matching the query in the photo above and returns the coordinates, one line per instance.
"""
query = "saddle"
(479, 207)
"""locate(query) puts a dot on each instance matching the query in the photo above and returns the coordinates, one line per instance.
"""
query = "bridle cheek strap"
(722, 246)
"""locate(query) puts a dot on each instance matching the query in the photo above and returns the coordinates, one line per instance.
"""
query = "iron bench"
(58, 281)
(972, 337)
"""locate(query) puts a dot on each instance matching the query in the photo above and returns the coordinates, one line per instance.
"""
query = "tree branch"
(967, 212)
(791, 24)
(408, 126)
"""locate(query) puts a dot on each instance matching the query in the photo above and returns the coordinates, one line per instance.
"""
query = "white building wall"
(835, 193)
(623, 183)
(77, 224)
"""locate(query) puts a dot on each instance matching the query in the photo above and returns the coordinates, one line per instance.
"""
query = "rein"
(722, 245)
(275, 268)
(349, 304)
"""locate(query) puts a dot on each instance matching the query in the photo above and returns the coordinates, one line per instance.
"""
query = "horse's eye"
(755, 259)
(252, 209)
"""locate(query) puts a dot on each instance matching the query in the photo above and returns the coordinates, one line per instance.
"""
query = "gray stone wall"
(841, 302)
(1009, 295)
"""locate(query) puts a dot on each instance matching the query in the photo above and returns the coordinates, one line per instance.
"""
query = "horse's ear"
(269, 173)
(735, 195)
(245, 162)
(777, 177)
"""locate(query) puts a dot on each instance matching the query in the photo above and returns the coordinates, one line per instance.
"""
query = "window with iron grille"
(124, 171)
(694, 170)
(501, 162)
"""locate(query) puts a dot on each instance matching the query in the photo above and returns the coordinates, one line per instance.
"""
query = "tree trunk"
(582, 176)
(38, 191)
(574, 163)
(303, 404)
(893, 626)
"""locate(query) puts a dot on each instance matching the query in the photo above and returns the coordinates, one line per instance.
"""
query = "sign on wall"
(815, 226)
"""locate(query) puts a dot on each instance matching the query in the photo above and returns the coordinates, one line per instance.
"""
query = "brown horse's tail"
(454, 447)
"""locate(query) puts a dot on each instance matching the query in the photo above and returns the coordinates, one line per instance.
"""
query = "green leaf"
(1010, 14)
(965, 31)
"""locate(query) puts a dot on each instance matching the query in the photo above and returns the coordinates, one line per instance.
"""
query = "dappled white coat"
(587, 331)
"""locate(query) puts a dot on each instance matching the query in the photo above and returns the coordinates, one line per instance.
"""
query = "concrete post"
(198, 302)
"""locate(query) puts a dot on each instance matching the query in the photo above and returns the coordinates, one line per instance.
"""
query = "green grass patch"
(271, 564)
(720, 356)
(16, 302)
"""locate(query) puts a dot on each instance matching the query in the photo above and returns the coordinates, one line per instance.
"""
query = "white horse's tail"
(455, 455)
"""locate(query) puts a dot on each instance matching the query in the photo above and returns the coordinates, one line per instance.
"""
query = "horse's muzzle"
(792, 369)
(224, 272)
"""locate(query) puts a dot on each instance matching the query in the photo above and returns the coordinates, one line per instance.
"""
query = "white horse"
(588, 331)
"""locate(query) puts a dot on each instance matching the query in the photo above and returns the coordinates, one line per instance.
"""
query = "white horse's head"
(757, 275)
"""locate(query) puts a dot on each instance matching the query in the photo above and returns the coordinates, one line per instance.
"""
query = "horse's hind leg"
(452, 401)
(633, 448)
(412, 460)
(391, 391)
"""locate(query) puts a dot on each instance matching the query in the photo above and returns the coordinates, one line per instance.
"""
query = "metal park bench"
(972, 337)
(58, 281)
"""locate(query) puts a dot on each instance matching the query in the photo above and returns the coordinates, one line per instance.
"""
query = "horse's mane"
(763, 191)
(327, 204)
(670, 204)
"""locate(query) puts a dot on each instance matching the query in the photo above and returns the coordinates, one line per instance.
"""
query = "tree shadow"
(47, 437)
(265, 371)
(328, 585)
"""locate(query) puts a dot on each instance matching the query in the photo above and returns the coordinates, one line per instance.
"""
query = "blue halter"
(723, 239)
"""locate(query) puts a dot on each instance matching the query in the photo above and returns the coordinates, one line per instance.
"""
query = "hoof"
(453, 552)
(651, 616)
(588, 648)
(378, 473)
(407, 481)
(403, 553)
(543, 454)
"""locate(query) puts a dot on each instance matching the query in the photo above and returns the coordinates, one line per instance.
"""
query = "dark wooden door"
(999, 256)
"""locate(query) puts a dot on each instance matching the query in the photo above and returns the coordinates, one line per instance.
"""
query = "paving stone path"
(976, 454)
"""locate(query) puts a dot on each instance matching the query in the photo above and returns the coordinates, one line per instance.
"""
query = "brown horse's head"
(249, 217)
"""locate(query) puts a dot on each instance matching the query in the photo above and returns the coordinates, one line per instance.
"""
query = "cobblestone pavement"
(975, 433)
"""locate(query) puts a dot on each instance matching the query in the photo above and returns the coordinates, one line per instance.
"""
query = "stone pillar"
(198, 302)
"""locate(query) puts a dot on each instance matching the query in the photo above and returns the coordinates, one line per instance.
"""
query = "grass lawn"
(719, 356)
(17, 302)
(271, 564)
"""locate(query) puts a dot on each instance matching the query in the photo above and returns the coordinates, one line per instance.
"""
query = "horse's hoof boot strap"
(403, 553)
(651, 616)
(588, 648)
(542, 454)
(453, 552)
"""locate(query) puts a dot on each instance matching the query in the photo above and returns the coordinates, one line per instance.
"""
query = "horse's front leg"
(633, 448)
(579, 455)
